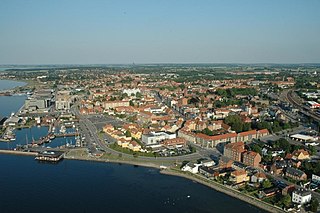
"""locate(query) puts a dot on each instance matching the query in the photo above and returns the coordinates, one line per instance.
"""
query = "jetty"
(50, 156)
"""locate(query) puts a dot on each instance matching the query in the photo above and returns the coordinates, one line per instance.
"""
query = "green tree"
(276, 126)
(314, 205)
(286, 200)
(283, 144)
(235, 122)
(112, 98)
(256, 148)
(128, 133)
(138, 95)
(221, 92)
(182, 86)
(207, 131)
(312, 150)
(266, 184)
(131, 103)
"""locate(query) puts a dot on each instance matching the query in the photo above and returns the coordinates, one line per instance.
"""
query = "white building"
(12, 121)
(190, 167)
(301, 196)
(208, 163)
(156, 137)
(130, 92)
(304, 138)
(316, 178)
(63, 100)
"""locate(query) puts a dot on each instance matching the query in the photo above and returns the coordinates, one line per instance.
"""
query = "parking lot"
(101, 120)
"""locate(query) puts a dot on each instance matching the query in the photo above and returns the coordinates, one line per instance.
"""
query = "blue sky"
(159, 31)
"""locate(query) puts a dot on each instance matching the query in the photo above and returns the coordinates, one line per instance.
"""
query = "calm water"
(7, 84)
(27, 135)
(80, 186)
(10, 104)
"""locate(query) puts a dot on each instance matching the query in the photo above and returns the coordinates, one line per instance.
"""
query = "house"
(223, 172)
(288, 189)
(174, 142)
(277, 167)
(251, 158)
(191, 167)
(225, 162)
(295, 174)
(259, 177)
(207, 163)
(269, 192)
(300, 154)
(123, 143)
(234, 150)
(239, 176)
(301, 196)
(238, 165)
(108, 127)
(207, 171)
(134, 146)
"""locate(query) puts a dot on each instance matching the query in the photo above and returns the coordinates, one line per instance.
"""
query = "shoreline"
(201, 180)
(225, 190)
(16, 87)
(216, 186)
(14, 152)
(26, 82)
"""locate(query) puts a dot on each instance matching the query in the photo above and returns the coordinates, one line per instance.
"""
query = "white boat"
(63, 129)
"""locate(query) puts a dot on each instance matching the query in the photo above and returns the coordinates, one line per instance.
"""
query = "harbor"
(46, 136)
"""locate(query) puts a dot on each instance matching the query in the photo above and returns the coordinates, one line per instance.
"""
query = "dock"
(50, 156)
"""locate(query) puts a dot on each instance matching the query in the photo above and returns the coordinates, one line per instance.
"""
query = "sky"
(159, 31)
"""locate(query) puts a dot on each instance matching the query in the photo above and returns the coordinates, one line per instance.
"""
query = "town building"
(156, 137)
(234, 150)
(251, 158)
(239, 176)
(191, 167)
(300, 154)
(114, 104)
(295, 174)
(63, 100)
(301, 196)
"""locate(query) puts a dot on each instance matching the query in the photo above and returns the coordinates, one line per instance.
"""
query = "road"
(280, 178)
(285, 134)
(91, 133)
(159, 100)
(291, 97)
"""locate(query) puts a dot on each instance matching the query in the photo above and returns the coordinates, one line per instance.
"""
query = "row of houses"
(212, 141)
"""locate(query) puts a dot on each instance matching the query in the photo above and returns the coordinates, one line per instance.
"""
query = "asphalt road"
(89, 129)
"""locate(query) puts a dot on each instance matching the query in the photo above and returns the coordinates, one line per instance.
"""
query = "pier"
(70, 134)
(50, 156)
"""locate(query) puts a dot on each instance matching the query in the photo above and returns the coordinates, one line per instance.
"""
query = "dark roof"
(270, 190)
(207, 169)
(302, 192)
(50, 153)
(240, 165)
(294, 172)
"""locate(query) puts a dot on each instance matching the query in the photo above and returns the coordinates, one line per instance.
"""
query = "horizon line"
(163, 63)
